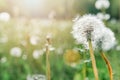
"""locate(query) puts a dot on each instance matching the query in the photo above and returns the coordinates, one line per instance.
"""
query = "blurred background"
(24, 25)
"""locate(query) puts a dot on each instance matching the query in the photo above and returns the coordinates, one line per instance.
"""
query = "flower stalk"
(93, 60)
(108, 65)
(47, 60)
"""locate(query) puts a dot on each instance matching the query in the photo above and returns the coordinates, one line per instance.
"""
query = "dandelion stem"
(47, 64)
(93, 61)
(108, 65)
(47, 59)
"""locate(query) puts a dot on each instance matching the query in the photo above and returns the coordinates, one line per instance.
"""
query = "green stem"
(84, 68)
(93, 61)
(47, 63)
(108, 65)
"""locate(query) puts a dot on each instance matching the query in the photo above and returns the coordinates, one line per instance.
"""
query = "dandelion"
(3, 59)
(106, 42)
(86, 30)
(16, 51)
(4, 16)
(103, 16)
(34, 40)
(36, 77)
(37, 53)
(48, 45)
(102, 4)
(118, 48)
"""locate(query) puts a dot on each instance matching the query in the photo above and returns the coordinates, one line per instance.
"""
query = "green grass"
(18, 69)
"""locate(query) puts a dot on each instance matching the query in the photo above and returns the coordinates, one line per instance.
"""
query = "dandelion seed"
(3, 59)
(4, 16)
(16, 51)
(102, 4)
(103, 16)
(37, 54)
(34, 40)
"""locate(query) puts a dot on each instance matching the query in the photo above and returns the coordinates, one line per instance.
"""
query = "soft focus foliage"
(25, 25)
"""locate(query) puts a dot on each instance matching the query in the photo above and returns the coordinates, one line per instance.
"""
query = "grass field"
(30, 36)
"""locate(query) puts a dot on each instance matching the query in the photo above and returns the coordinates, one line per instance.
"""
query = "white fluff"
(100, 4)
(86, 23)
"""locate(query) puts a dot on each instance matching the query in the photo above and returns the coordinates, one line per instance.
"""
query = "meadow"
(16, 33)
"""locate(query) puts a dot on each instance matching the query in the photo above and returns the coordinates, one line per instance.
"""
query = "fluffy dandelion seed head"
(103, 16)
(102, 4)
(87, 27)
(71, 57)
(36, 77)
(107, 39)
(37, 53)
(4, 16)
(34, 40)
(3, 59)
(16, 51)
(118, 48)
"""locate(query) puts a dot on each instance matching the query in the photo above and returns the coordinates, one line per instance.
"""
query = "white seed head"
(118, 48)
(34, 40)
(36, 77)
(37, 53)
(4, 16)
(107, 39)
(87, 25)
(16, 52)
(100, 4)
(103, 16)
(3, 59)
